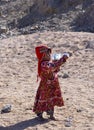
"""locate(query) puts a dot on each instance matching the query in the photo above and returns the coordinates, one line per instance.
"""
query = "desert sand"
(18, 81)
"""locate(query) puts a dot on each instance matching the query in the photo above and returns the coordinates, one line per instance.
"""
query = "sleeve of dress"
(47, 66)
(52, 66)
(58, 63)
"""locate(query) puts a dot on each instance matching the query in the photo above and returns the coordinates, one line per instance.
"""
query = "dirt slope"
(18, 70)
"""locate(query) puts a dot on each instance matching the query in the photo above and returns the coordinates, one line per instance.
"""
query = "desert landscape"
(18, 81)
(18, 76)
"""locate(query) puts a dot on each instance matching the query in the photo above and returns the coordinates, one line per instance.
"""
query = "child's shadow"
(25, 124)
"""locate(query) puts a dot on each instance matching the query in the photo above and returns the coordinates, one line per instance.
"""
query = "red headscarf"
(40, 52)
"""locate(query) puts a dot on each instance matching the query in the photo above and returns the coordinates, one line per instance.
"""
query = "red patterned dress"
(49, 92)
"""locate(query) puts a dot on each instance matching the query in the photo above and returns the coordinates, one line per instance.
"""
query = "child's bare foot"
(40, 117)
(53, 118)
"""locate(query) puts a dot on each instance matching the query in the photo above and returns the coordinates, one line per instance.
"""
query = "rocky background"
(29, 16)
(65, 26)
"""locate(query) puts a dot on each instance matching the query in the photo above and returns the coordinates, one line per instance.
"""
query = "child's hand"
(66, 56)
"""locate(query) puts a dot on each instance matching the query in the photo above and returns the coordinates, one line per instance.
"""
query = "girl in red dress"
(49, 93)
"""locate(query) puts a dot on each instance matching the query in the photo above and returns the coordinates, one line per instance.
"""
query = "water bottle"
(57, 56)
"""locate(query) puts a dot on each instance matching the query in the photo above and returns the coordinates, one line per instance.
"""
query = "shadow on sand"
(25, 124)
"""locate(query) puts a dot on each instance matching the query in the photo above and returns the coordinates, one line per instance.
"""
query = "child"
(48, 93)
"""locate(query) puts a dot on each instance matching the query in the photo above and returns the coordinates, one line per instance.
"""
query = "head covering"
(40, 53)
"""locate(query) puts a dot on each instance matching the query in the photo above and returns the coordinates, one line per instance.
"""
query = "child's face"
(48, 54)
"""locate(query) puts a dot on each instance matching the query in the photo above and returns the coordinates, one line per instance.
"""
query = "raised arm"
(62, 60)
(53, 66)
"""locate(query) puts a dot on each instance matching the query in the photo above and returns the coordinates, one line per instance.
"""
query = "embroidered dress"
(49, 92)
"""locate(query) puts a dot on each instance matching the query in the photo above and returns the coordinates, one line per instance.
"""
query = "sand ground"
(18, 75)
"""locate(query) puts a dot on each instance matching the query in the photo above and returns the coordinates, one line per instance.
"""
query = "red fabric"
(40, 52)
(49, 93)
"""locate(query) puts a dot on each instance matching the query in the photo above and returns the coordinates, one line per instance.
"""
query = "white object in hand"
(57, 56)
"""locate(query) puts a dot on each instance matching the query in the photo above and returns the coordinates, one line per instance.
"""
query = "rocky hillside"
(85, 20)
(29, 16)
